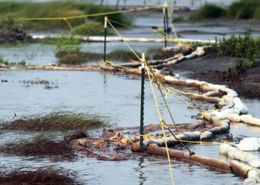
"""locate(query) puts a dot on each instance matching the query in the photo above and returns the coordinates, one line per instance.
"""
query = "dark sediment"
(42, 176)
(40, 147)
(213, 68)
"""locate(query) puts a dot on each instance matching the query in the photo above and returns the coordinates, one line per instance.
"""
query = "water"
(115, 97)
(188, 3)
(125, 3)
(112, 96)
(90, 92)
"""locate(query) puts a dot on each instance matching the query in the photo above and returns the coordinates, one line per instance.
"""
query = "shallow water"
(112, 96)
(87, 92)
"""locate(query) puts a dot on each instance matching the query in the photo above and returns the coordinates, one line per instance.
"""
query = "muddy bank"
(213, 68)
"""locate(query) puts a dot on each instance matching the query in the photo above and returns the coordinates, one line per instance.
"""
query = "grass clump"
(257, 13)
(56, 9)
(257, 42)
(11, 32)
(208, 11)
(84, 57)
(91, 28)
(178, 19)
(243, 48)
(3, 61)
(122, 55)
(48, 176)
(244, 9)
(40, 147)
(67, 45)
(56, 122)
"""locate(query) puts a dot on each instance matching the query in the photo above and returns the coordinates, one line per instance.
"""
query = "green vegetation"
(243, 47)
(56, 122)
(178, 19)
(88, 29)
(243, 9)
(257, 42)
(84, 57)
(7, 63)
(57, 9)
(11, 31)
(257, 13)
(3, 61)
(68, 52)
(208, 11)
(67, 45)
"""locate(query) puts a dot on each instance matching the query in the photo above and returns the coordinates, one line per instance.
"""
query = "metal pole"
(105, 40)
(164, 26)
(142, 105)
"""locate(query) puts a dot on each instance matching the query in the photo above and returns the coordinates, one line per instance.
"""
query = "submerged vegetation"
(56, 122)
(48, 176)
(40, 147)
(243, 9)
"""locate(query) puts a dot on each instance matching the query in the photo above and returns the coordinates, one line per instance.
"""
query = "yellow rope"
(129, 47)
(148, 137)
(68, 24)
(162, 126)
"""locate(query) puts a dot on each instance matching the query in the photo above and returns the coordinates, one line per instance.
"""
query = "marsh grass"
(90, 28)
(49, 176)
(40, 147)
(257, 42)
(56, 9)
(243, 48)
(57, 121)
(243, 9)
(208, 11)
(84, 57)
(11, 32)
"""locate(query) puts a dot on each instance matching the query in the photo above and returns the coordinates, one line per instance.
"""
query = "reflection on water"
(142, 177)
